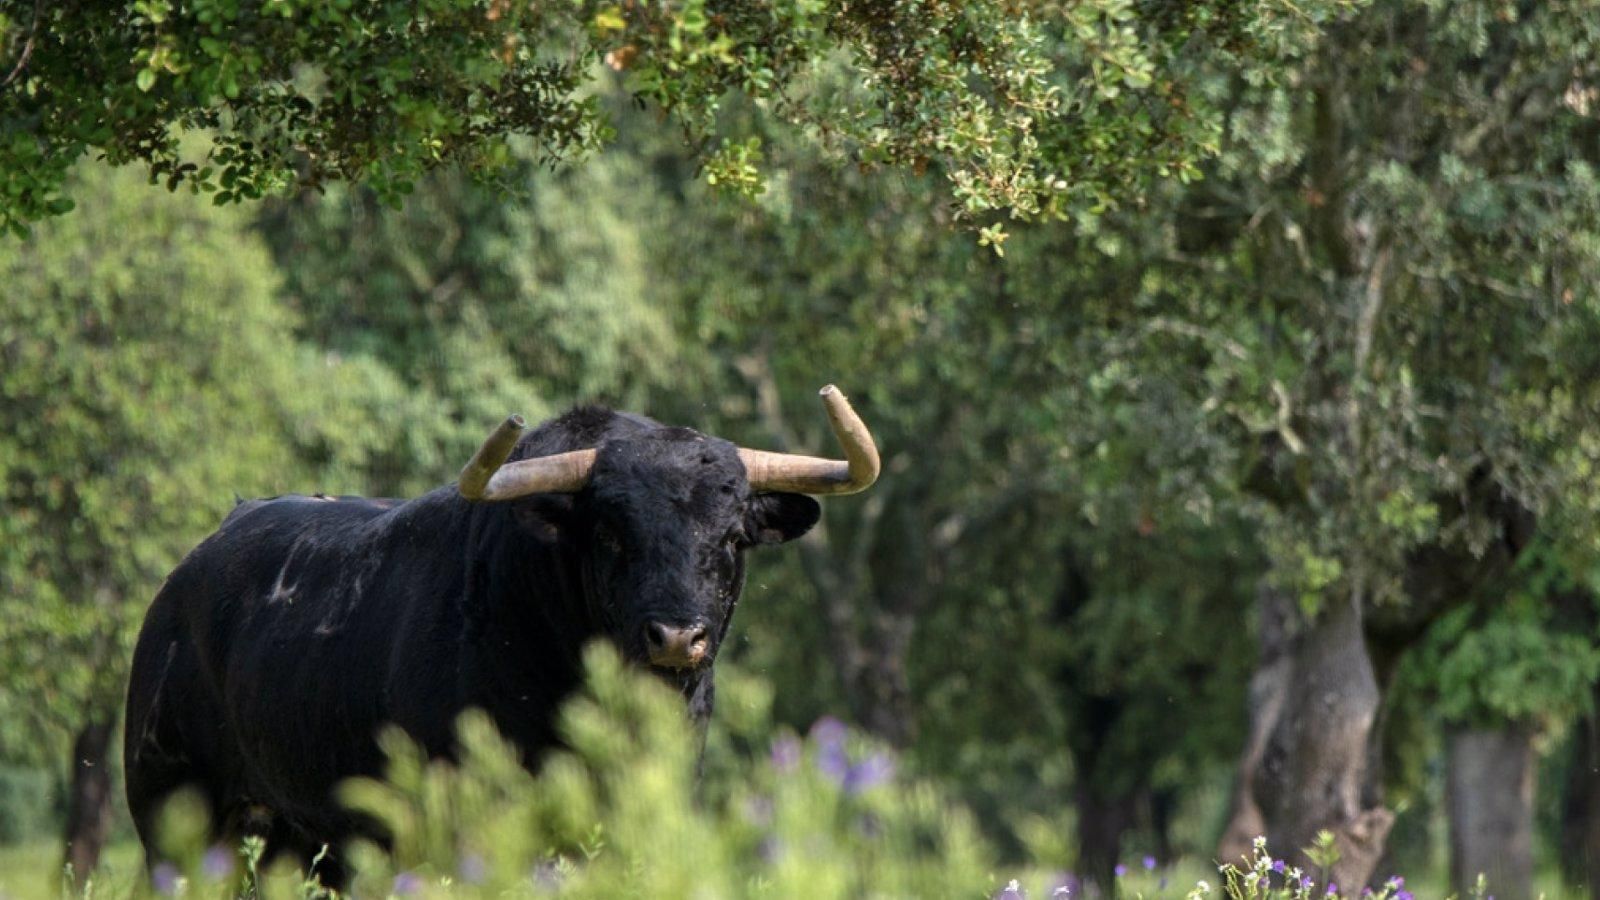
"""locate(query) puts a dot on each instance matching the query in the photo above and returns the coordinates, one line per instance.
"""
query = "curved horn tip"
(491, 455)
(828, 389)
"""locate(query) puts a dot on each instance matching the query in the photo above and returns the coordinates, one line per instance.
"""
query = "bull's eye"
(722, 556)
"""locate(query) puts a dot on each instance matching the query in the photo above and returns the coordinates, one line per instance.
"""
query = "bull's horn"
(812, 475)
(489, 477)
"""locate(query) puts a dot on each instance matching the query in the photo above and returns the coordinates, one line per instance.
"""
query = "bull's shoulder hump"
(307, 507)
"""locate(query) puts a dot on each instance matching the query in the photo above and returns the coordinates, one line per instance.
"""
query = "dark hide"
(279, 647)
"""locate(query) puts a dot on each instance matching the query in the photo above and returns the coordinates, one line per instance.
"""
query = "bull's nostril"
(676, 647)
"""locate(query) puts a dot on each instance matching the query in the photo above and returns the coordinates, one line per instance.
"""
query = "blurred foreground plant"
(629, 810)
(624, 811)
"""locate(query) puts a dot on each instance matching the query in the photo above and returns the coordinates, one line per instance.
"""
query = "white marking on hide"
(280, 592)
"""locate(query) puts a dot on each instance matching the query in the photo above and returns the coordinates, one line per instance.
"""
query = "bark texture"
(1269, 687)
(1102, 823)
(1314, 770)
(89, 797)
(1489, 793)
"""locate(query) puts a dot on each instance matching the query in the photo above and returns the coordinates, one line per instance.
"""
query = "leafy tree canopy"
(143, 385)
(1032, 107)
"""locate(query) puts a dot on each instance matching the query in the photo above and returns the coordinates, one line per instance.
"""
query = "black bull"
(281, 645)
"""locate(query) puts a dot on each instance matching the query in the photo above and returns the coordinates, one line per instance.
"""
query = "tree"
(148, 371)
(1147, 694)
(1047, 112)
(1385, 286)
(1503, 675)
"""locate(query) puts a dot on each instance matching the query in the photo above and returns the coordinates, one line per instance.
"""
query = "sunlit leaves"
(1040, 111)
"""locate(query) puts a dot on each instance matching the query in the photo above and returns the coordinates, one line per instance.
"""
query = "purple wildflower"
(1333, 889)
(1120, 870)
(828, 730)
(786, 753)
(406, 884)
(1396, 882)
(217, 864)
(165, 878)
(473, 869)
(832, 760)
(871, 772)
(1149, 863)
(1403, 895)
(833, 763)
(1278, 866)
(1305, 883)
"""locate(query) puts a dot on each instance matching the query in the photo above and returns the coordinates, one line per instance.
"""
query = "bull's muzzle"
(675, 646)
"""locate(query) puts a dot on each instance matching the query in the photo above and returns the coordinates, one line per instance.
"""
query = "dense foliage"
(1033, 108)
(122, 343)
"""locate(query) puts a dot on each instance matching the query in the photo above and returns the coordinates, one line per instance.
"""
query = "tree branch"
(27, 46)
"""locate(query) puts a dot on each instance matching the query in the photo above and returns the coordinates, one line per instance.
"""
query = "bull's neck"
(524, 622)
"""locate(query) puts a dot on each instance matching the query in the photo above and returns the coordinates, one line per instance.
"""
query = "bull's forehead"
(674, 472)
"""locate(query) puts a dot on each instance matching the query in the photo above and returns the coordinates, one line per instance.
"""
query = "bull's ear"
(545, 516)
(775, 518)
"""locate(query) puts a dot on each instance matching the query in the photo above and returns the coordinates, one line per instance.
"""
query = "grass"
(33, 870)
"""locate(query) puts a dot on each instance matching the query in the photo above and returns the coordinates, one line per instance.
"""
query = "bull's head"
(664, 518)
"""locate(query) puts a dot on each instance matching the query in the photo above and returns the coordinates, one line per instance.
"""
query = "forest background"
(1237, 375)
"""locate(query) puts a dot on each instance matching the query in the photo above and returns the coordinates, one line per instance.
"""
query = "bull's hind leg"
(161, 759)
(156, 764)
(156, 788)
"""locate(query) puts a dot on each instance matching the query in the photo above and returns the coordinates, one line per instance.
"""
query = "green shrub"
(630, 810)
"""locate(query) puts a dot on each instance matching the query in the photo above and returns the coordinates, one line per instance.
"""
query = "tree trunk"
(1102, 822)
(885, 687)
(1269, 685)
(1489, 793)
(1580, 806)
(1163, 810)
(1313, 771)
(870, 639)
(89, 796)
(1580, 811)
